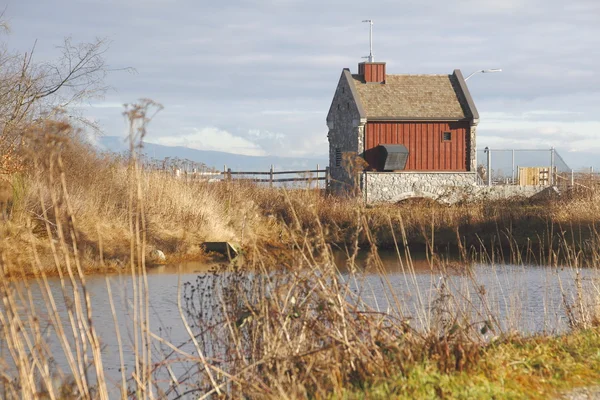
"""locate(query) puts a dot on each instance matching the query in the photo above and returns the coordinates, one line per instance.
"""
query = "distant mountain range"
(215, 159)
(501, 161)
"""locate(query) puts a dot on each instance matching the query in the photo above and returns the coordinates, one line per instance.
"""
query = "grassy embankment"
(180, 215)
(516, 368)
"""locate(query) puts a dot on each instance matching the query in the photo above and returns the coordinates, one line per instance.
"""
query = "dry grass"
(267, 329)
(181, 214)
(529, 224)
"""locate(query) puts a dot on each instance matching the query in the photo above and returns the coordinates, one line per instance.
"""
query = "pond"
(526, 299)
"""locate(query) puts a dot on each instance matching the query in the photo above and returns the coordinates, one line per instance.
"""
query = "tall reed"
(302, 325)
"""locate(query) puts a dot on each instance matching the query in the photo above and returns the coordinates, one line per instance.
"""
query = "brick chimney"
(372, 72)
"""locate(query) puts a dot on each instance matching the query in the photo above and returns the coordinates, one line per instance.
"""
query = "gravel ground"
(585, 393)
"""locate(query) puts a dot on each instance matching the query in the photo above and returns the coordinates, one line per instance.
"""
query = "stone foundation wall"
(473, 148)
(508, 191)
(446, 187)
(396, 186)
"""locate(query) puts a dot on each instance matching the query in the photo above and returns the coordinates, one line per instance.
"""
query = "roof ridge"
(356, 75)
(419, 74)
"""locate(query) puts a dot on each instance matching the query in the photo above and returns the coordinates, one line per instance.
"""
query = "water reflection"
(523, 298)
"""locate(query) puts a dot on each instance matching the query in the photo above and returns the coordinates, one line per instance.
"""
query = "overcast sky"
(257, 76)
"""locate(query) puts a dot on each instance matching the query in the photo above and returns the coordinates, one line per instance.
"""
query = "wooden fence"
(259, 176)
(193, 171)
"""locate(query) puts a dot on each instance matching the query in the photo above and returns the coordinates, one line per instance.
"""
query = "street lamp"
(484, 71)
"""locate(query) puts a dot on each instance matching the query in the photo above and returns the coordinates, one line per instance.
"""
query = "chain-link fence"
(544, 167)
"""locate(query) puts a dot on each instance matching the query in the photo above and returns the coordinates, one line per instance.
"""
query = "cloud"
(211, 138)
(252, 67)
(265, 135)
(289, 112)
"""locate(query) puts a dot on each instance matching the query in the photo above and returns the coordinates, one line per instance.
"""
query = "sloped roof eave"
(419, 119)
(350, 81)
(361, 110)
(465, 89)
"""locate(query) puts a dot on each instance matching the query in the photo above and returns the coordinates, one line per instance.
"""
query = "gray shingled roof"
(413, 96)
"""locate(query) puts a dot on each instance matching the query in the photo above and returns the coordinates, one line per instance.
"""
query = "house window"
(447, 136)
(338, 107)
(338, 157)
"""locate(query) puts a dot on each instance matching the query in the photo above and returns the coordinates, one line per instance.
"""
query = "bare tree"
(32, 91)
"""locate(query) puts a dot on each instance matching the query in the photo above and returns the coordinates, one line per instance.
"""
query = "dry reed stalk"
(82, 328)
(207, 366)
(86, 316)
(297, 332)
(119, 341)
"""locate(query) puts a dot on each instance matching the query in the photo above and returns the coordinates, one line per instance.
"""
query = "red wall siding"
(424, 140)
(373, 72)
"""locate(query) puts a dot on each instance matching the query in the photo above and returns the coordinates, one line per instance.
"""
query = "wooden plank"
(419, 132)
(413, 148)
(298, 172)
(274, 172)
(454, 152)
(321, 178)
(534, 176)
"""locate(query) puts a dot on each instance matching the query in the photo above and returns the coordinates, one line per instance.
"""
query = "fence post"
(224, 172)
(572, 179)
(317, 176)
(327, 178)
(229, 174)
(552, 166)
(489, 166)
(271, 176)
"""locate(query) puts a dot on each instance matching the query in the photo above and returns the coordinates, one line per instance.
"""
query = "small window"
(447, 136)
(338, 107)
(348, 106)
(338, 157)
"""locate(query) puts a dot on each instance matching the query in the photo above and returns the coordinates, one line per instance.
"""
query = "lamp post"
(484, 71)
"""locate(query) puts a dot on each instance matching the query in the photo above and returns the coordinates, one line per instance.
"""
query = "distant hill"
(502, 161)
(215, 159)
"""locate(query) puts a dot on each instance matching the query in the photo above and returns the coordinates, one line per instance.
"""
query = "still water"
(523, 298)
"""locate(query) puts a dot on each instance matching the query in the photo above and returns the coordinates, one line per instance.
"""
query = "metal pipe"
(572, 178)
(484, 71)
(489, 166)
(371, 58)
(513, 167)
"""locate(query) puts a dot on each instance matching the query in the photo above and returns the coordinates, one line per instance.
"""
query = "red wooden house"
(416, 133)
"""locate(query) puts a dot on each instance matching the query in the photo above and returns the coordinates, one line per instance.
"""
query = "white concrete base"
(445, 187)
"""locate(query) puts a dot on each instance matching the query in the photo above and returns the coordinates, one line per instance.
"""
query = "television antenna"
(370, 57)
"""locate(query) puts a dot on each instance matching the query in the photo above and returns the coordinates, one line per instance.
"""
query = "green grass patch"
(513, 368)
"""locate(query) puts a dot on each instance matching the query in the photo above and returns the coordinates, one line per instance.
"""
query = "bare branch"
(31, 92)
